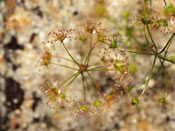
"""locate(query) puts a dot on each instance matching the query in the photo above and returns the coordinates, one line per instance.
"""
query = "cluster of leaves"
(99, 55)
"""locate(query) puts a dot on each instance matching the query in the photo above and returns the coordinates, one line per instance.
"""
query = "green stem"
(100, 69)
(166, 52)
(160, 56)
(88, 56)
(84, 87)
(150, 5)
(64, 66)
(139, 52)
(68, 79)
(97, 67)
(66, 59)
(167, 43)
(74, 77)
(86, 81)
(70, 55)
(166, 76)
(166, 59)
(165, 2)
(154, 44)
(146, 38)
(100, 90)
(150, 75)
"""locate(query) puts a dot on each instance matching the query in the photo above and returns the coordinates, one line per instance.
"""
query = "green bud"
(125, 14)
(118, 66)
(103, 59)
(97, 103)
(62, 96)
(135, 101)
(132, 68)
(114, 44)
(170, 10)
(162, 100)
(129, 88)
(83, 108)
(109, 97)
(100, 10)
(172, 58)
(100, 38)
(83, 38)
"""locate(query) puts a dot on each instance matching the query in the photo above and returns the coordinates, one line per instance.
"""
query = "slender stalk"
(139, 52)
(101, 70)
(88, 56)
(166, 52)
(165, 59)
(150, 75)
(98, 67)
(154, 44)
(70, 55)
(89, 86)
(68, 79)
(166, 76)
(150, 4)
(146, 38)
(66, 59)
(93, 80)
(64, 66)
(165, 2)
(90, 45)
(167, 43)
(71, 81)
(84, 87)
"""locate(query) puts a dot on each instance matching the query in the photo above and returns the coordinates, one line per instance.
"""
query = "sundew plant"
(84, 57)
(88, 54)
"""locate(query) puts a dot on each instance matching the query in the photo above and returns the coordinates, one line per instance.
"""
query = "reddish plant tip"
(46, 58)
(110, 98)
(91, 27)
(83, 68)
(61, 35)
(57, 37)
(52, 92)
